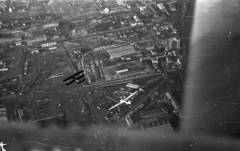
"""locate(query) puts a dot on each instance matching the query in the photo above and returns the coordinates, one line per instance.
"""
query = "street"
(64, 88)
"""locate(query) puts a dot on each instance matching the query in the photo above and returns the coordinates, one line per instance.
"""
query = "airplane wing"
(79, 72)
(80, 77)
(80, 81)
(70, 82)
(68, 78)
(73, 76)
(127, 98)
(115, 106)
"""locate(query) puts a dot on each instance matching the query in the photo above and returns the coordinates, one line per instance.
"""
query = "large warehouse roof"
(121, 51)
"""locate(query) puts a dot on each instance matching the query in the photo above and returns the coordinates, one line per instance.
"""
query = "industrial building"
(121, 51)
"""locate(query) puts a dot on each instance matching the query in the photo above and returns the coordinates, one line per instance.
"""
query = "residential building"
(148, 11)
(172, 100)
(171, 6)
(109, 4)
(162, 7)
(163, 112)
(118, 9)
(158, 127)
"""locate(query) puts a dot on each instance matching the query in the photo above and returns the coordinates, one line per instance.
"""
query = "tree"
(174, 44)
(112, 71)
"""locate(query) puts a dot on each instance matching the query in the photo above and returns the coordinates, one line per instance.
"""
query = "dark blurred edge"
(26, 137)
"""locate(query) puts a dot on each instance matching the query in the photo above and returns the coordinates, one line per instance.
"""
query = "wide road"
(82, 37)
(105, 32)
(72, 87)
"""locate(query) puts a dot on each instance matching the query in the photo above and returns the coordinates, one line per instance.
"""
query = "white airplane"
(125, 100)
(140, 89)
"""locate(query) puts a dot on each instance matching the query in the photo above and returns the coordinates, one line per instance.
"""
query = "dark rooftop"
(14, 15)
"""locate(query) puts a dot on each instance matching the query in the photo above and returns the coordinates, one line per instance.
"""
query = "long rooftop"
(121, 51)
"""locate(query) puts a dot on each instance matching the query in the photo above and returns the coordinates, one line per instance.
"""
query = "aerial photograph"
(95, 75)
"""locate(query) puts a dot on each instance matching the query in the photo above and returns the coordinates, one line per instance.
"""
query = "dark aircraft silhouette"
(77, 77)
